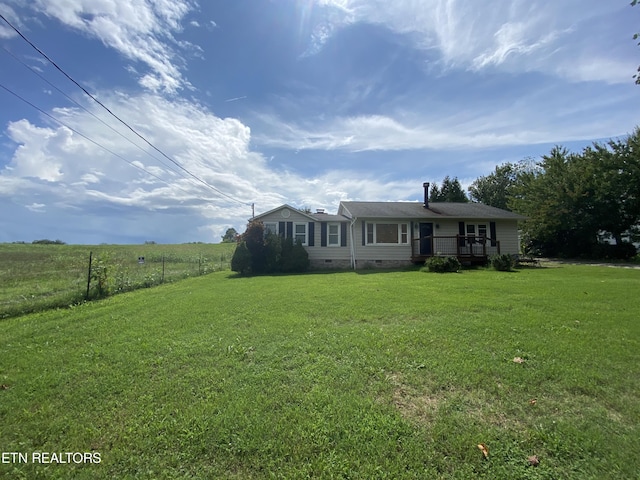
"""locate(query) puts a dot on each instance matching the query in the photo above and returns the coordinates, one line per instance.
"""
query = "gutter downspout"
(353, 248)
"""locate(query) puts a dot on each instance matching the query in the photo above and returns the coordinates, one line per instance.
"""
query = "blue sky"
(305, 102)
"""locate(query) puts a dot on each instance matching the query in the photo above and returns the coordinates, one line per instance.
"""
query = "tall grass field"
(35, 277)
(533, 374)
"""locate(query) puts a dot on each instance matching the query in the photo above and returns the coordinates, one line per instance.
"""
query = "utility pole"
(253, 211)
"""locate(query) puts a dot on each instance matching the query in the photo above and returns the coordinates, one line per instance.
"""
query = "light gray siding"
(340, 256)
(320, 257)
(507, 233)
(372, 255)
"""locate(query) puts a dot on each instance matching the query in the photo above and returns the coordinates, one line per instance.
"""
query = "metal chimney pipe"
(426, 194)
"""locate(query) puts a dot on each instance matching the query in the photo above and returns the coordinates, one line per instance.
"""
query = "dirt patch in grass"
(412, 403)
(425, 406)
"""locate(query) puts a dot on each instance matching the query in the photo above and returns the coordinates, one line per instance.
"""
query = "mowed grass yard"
(334, 375)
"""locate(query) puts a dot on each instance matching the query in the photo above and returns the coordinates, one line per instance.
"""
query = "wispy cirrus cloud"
(141, 30)
(447, 131)
(10, 14)
(514, 35)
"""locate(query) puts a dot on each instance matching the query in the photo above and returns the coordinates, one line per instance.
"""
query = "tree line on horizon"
(571, 200)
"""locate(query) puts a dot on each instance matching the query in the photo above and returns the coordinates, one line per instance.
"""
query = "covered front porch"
(470, 249)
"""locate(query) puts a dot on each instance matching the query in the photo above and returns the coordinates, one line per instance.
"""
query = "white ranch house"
(392, 234)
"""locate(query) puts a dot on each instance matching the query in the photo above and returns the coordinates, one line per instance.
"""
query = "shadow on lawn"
(375, 271)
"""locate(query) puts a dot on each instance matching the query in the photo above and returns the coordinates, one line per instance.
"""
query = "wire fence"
(34, 278)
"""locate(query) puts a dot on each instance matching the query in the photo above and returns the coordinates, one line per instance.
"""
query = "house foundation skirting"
(370, 264)
(322, 264)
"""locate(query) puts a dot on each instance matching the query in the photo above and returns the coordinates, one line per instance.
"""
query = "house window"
(333, 235)
(481, 230)
(387, 233)
(370, 238)
(300, 233)
(270, 227)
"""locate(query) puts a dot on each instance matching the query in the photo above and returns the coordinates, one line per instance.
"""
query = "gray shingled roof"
(417, 210)
(327, 217)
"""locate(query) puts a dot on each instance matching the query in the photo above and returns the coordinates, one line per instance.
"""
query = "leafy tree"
(46, 241)
(496, 188)
(230, 235)
(570, 198)
(241, 260)
(268, 253)
(553, 198)
(615, 171)
(294, 257)
(451, 191)
(273, 252)
(254, 238)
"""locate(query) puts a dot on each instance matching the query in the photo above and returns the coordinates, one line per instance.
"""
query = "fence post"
(89, 276)
(162, 268)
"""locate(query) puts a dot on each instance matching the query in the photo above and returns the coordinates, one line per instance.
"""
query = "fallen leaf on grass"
(484, 449)
(518, 360)
(533, 401)
(533, 460)
(4, 386)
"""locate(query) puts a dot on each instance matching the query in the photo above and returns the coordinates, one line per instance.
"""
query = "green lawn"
(37, 277)
(334, 375)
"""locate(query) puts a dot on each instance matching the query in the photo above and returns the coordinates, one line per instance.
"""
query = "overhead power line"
(91, 140)
(219, 192)
(32, 70)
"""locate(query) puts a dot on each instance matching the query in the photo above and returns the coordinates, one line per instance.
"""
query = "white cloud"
(518, 124)
(515, 35)
(40, 152)
(36, 207)
(68, 173)
(141, 30)
(9, 13)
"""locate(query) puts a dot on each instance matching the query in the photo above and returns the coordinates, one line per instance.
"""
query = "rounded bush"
(503, 262)
(443, 264)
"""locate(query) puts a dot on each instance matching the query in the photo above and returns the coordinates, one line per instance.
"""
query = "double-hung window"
(300, 233)
(270, 227)
(481, 230)
(333, 234)
(387, 233)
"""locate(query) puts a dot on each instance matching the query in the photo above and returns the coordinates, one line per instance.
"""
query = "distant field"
(370, 375)
(36, 277)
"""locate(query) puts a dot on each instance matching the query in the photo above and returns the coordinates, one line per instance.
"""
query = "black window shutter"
(311, 232)
(461, 232)
(492, 232)
(364, 232)
(289, 229)
(281, 229)
(343, 234)
(323, 234)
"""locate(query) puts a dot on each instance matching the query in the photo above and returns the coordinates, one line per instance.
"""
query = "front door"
(426, 232)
